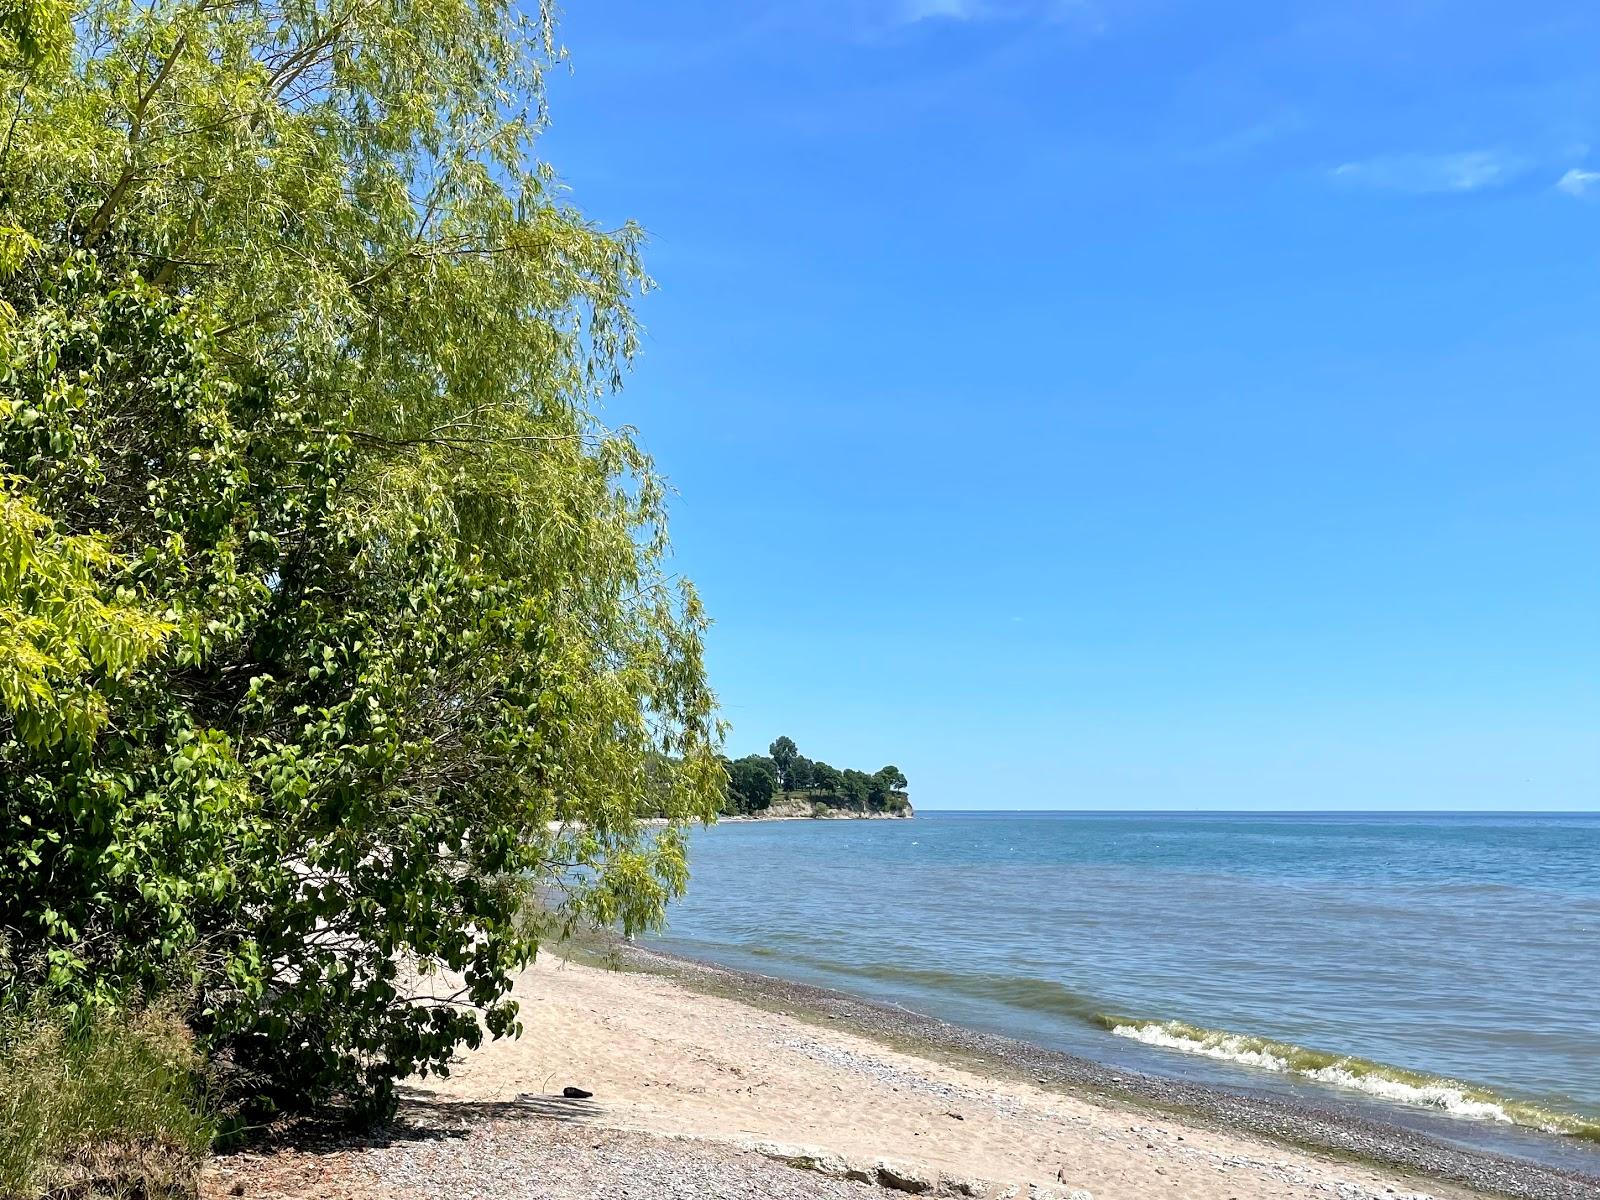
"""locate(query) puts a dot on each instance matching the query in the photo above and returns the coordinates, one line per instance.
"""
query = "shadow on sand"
(422, 1117)
(425, 1108)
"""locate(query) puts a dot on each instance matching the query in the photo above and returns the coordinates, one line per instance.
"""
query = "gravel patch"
(516, 1158)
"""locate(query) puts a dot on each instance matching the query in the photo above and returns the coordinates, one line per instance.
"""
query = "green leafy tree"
(331, 617)
(856, 787)
(877, 793)
(801, 773)
(783, 754)
(893, 778)
(731, 801)
(887, 789)
(825, 777)
(753, 780)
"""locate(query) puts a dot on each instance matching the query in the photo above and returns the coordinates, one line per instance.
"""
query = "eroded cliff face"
(794, 807)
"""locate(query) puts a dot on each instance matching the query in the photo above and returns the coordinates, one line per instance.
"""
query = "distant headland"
(784, 784)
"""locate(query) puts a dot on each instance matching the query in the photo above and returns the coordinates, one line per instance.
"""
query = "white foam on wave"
(1233, 1049)
(1442, 1095)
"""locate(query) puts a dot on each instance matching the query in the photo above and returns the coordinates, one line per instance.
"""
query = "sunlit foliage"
(331, 614)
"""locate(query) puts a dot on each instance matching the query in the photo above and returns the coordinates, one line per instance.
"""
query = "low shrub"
(108, 1106)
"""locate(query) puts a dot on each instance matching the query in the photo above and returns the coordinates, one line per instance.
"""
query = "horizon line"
(1350, 812)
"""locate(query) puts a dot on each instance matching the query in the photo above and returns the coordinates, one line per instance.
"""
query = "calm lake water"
(1437, 966)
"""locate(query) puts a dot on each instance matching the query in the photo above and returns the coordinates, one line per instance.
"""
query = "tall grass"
(111, 1107)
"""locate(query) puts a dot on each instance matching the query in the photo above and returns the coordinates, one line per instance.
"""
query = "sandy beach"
(703, 1094)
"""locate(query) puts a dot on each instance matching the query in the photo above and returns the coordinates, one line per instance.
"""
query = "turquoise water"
(1447, 964)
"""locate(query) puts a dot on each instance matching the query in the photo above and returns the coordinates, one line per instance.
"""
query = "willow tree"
(336, 613)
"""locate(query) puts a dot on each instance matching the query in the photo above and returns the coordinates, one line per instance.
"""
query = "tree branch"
(101, 220)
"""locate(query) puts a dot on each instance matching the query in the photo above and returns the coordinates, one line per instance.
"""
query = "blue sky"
(1125, 403)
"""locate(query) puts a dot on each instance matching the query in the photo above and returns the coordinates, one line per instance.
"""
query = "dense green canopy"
(330, 613)
(754, 780)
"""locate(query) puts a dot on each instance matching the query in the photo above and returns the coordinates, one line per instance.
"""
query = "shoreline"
(1321, 1126)
(749, 818)
(709, 1082)
(799, 806)
(557, 826)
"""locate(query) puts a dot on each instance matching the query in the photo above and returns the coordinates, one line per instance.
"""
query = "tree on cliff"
(790, 770)
(855, 786)
(751, 783)
(882, 786)
(323, 590)
(802, 772)
(893, 778)
(784, 752)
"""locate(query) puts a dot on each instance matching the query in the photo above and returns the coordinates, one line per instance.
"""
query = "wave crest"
(1377, 1079)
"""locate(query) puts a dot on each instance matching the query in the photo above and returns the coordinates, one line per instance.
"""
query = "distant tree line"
(755, 779)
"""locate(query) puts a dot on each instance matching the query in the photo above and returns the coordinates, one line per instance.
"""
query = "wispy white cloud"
(912, 11)
(1578, 182)
(1421, 174)
(1248, 139)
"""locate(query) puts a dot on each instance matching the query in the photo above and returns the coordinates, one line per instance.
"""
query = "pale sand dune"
(665, 1059)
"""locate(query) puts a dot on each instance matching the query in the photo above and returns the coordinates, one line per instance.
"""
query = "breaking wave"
(1376, 1079)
